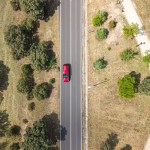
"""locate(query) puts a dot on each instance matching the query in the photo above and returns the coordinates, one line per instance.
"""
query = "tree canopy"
(144, 87)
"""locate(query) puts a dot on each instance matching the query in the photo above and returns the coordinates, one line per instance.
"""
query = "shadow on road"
(63, 133)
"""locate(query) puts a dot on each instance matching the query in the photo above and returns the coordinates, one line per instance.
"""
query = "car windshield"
(65, 75)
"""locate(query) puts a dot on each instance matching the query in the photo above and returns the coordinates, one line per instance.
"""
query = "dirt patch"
(108, 113)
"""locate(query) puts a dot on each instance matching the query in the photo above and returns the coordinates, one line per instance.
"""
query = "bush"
(130, 30)
(27, 69)
(31, 106)
(112, 24)
(42, 91)
(29, 24)
(15, 146)
(15, 4)
(127, 54)
(101, 34)
(52, 81)
(14, 130)
(39, 56)
(144, 87)
(25, 85)
(127, 86)
(18, 40)
(25, 121)
(100, 64)
(34, 8)
(108, 48)
(105, 146)
(146, 58)
(100, 18)
(52, 62)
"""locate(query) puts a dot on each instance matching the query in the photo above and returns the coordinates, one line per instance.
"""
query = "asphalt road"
(71, 112)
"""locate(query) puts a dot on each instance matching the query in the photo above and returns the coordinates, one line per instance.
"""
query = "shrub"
(112, 24)
(15, 4)
(108, 48)
(25, 121)
(31, 106)
(15, 146)
(29, 24)
(127, 86)
(144, 87)
(100, 64)
(34, 8)
(14, 130)
(18, 40)
(127, 54)
(100, 18)
(101, 34)
(42, 91)
(25, 85)
(39, 56)
(105, 146)
(52, 81)
(52, 62)
(130, 30)
(146, 58)
(27, 69)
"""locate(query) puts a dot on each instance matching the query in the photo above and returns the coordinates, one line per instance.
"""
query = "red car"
(66, 72)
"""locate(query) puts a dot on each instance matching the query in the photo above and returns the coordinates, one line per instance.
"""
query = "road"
(70, 93)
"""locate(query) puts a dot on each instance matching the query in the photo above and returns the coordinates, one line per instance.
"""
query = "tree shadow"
(3, 145)
(63, 133)
(50, 7)
(52, 126)
(137, 78)
(111, 141)
(127, 147)
(1, 97)
(4, 70)
(4, 122)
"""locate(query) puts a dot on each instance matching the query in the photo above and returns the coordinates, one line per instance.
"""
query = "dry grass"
(143, 10)
(108, 113)
(15, 103)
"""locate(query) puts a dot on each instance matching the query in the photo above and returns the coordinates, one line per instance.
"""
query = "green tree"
(146, 58)
(144, 87)
(34, 8)
(15, 146)
(127, 86)
(18, 40)
(101, 33)
(36, 137)
(105, 146)
(15, 4)
(100, 64)
(99, 18)
(127, 54)
(130, 30)
(25, 85)
(42, 91)
(39, 56)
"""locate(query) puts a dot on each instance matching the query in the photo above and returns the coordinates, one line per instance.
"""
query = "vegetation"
(52, 62)
(144, 87)
(42, 91)
(18, 40)
(100, 64)
(31, 106)
(130, 30)
(25, 84)
(40, 56)
(15, 146)
(127, 54)
(15, 4)
(100, 18)
(105, 146)
(34, 8)
(27, 69)
(25, 121)
(52, 81)
(14, 130)
(108, 48)
(101, 34)
(36, 137)
(127, 86)
(112, 24)
(146, 58)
